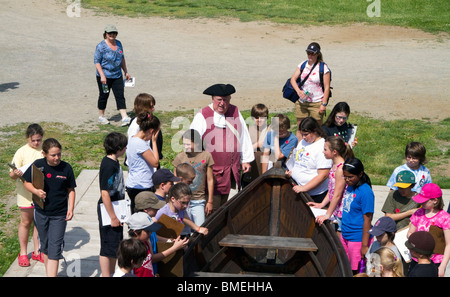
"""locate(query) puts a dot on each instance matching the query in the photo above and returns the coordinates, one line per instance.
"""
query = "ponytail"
(147, 121)
(337, 143)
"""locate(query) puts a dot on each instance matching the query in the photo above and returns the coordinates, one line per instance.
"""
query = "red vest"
(224, 148)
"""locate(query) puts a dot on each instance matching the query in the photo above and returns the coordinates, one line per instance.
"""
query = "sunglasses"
(310, 53)
(341, 118)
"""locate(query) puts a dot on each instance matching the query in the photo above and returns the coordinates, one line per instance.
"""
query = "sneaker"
(103, 120)
(126, 121)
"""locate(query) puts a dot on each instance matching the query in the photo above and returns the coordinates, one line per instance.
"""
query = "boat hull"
(266, 207)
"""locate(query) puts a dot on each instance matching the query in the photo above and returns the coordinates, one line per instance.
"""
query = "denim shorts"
(51, 230)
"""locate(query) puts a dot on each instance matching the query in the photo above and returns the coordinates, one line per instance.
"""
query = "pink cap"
(429, 191)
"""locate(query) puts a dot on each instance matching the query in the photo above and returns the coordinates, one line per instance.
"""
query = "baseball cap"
(405, 179)
(421, 242)
(110, 28)
(384, 224)
(147, 199)
(313, 47)
(429, 191)
(164, 175)
(142, 221)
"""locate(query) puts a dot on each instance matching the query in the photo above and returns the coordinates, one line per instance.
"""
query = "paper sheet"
(399, 241)
(121, 209)
(352, 132)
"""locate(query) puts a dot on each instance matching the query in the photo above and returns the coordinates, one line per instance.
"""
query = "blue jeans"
(197, 211)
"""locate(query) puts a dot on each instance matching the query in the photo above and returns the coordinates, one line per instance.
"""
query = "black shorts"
(110, 237)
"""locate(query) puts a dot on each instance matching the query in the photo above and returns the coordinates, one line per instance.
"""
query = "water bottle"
(105, 88)
(362, 266)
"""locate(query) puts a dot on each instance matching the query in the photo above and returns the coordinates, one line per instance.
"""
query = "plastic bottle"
(105, 88)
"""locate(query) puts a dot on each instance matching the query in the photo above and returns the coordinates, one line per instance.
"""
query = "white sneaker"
(103, 120)
(126, 121)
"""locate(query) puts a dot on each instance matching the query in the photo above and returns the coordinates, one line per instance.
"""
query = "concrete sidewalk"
(82, 243)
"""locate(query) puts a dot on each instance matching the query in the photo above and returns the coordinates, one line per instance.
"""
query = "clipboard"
(121, 209)
(399, 241)
(170, 228)
(37, 178)
(172, 265)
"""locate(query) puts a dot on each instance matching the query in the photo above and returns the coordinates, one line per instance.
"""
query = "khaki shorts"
(308, 109)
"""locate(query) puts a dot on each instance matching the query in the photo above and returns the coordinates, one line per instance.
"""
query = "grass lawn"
(428, 15)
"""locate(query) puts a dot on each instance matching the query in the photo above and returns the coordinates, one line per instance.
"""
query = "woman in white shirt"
(307, 164)
(313, 96)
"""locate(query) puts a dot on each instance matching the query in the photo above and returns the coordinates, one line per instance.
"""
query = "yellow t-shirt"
(25, 155)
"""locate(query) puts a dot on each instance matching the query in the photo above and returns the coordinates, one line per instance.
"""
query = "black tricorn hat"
(220, 90)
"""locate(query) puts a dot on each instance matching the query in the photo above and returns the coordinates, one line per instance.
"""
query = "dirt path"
(48, 71)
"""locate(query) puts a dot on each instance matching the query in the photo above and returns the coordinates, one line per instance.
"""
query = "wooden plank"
(268, 242)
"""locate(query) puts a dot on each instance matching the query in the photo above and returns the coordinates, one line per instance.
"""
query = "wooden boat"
(266, 230)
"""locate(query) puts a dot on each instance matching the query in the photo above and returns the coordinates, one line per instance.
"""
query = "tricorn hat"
(220, 90)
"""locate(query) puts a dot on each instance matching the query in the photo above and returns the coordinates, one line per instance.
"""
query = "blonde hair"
(389, 261)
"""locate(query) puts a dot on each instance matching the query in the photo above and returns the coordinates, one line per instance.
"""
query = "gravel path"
(48, 70)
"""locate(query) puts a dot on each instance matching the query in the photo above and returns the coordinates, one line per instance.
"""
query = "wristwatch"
(324, 104)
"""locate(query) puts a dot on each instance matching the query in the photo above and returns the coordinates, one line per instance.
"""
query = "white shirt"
(305, 161)
(199, 124)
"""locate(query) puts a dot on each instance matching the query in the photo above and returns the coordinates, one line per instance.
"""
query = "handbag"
(289, 92)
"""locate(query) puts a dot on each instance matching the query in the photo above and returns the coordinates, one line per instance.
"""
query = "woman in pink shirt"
(432, 214)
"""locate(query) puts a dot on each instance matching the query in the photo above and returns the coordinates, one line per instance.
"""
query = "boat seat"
(268, 242)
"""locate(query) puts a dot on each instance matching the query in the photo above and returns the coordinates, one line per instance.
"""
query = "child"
(131, 254)
(357, 211)
(147, 202)
(386, 263)
(432, 214)
(336, 123)
(141, 158)
(59, 200)
(179, 198)
(202, 186)
(399, 204)
(421, 245)
(186, 173)
(337, 150)
(307, 164)
(384, 231)
(278, 143)
(415, 159)
(24, 156)
(141, 226)
(163, 180)
(258, 130)
(111, 189)
(145, 103)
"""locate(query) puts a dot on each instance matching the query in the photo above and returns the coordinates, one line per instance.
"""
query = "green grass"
(428, 15)
(380, 146)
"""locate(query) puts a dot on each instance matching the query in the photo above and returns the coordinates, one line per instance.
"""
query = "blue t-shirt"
(111, 61)
(356, 203)
(286, 143)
